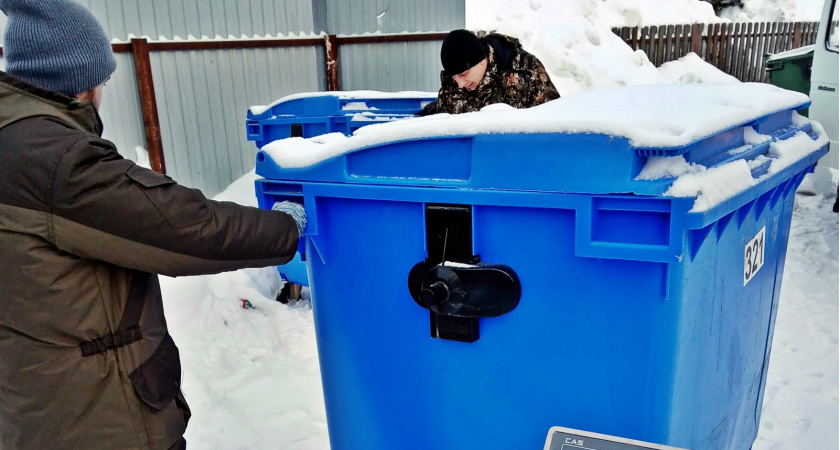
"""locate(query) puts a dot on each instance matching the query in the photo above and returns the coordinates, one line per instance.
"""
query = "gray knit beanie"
(57, 45)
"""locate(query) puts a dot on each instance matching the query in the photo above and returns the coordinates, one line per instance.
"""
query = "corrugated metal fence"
(735, 48)
(209, 60)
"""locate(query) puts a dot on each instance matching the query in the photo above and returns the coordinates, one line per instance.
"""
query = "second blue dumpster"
(609, 262)
(316, 113)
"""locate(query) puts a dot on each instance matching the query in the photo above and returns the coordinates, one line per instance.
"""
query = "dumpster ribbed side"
(728, 325)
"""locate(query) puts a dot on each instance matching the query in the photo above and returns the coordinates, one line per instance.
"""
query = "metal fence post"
(148, 103)
(331, 57)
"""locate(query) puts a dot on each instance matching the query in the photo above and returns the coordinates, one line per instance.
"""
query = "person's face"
(97, 96)
(470, 78)
(94, 96)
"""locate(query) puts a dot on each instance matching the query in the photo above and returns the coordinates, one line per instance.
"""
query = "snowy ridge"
(652, 116)
(801, 51)
(713, 185)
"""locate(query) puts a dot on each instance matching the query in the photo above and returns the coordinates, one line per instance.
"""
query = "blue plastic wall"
(673, 353)
(634, 318)
(321, 114)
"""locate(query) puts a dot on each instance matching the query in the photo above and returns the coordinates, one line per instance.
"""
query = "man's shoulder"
(46, 126)
(47, 138)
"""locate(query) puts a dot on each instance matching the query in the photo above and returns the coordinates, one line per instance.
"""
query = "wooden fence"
(738, 49)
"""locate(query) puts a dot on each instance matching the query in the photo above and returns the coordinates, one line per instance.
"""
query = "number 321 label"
(754, 256)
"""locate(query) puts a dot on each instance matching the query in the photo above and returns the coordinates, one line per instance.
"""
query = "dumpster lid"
(789, 54)
(335, 102)
(657, 120)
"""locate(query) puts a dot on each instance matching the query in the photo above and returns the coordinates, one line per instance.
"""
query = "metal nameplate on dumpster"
(560, 438)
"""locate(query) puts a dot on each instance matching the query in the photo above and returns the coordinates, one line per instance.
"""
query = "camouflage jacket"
(513, 76)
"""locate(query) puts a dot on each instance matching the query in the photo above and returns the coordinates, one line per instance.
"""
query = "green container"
(791, 70)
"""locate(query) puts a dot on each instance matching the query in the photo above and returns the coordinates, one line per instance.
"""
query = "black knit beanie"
(56, 44)
(461, 50)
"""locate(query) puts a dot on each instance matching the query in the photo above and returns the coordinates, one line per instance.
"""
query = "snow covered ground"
(801, 398)
(251, 373)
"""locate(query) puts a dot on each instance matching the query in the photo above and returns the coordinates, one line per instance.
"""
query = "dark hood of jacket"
(504, 48)
(19, 100)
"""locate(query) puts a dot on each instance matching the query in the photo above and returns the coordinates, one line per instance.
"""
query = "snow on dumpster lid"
(348, 95)
(799, 51)
(665, 116)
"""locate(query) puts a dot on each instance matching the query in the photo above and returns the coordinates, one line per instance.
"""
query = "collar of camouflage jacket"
(20, 100)
(490, 72)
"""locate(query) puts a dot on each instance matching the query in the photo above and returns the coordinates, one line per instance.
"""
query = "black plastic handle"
(465, 290)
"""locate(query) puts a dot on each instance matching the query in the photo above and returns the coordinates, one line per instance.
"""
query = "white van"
(824, 84)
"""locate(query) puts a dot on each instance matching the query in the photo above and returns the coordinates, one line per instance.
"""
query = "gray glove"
(295, 210)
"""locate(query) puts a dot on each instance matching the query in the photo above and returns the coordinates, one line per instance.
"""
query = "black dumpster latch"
(296, 130)
(453, 284)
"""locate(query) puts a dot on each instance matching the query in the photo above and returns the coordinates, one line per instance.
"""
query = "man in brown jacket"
(492, 68)
(86, 361)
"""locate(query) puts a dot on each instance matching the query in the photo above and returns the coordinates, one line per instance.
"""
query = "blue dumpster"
(312, 114)
(478, 287)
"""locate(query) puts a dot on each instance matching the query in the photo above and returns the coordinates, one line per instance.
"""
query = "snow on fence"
(735, 48)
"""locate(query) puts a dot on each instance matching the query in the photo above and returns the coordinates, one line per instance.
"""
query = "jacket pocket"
(179, 205)
(158, 379)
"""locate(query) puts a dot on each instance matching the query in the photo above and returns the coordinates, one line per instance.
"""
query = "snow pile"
(575, 42)
(250, 364)
(357, 106)
(775, 11)
(142, 157)
(800, 400)
(574, 39)
(713, 185)
(241, 191)
(691, 69)
(819, 183)
(751, 137)
(788, 151)
(658, 167)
